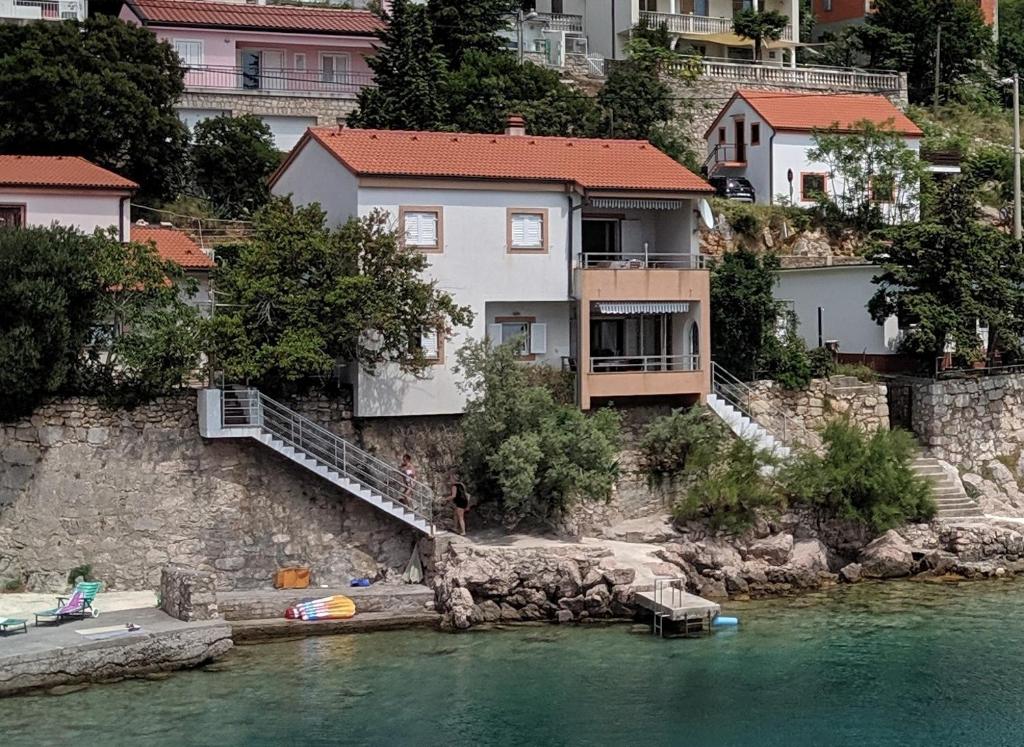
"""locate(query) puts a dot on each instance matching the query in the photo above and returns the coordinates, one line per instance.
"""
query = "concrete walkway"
(24, 605)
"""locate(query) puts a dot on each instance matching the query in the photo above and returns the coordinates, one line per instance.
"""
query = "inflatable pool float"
(335, 607)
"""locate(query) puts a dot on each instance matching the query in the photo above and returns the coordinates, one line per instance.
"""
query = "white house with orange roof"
(767, 138)
(71, 191)
(294, 66)
(586, 250)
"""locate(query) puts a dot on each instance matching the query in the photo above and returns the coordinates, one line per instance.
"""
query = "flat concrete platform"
(270, 604)
(677, 605)
(254, 631)
(47, 656)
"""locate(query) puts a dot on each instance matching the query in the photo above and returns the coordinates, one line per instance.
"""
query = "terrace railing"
(687, 23)
(277, 81)
(642, 260)
(43, 10)
(644, 363)
(562, 21)
(805, 76)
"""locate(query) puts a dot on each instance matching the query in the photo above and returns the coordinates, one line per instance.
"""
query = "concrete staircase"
(744, 427)
(951, 499)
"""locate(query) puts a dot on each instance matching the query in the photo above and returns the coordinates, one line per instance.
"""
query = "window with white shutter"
(190, 52)
(527, 231)
(422, 228)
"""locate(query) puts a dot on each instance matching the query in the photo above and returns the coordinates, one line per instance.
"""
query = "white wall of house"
(759, 157)
(477, 268)
(843, 293)
(314, 174)
(83, 210)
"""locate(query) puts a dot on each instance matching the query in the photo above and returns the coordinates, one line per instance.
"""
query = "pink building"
(294, 66)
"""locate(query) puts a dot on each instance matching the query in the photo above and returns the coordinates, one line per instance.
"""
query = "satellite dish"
(706, 216)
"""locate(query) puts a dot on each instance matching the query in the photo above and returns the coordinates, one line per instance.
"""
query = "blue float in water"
(725, 622)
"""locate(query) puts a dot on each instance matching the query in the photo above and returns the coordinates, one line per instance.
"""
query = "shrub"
(731, 486)
(670, 442)
(535, 456)
(822, 363)
(85, 571)
(788, 362)
(866, 477)
(857, 370)
(561, 384)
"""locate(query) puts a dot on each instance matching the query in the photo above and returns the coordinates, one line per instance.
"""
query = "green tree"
(760, 26)
(104, 90)
(232, 157)
(943, 275)
(146, 339)
(861, 476)
(486, 88)
(1010, 51)
(744, 312)
(868, 168)
(301, 296)
(534, 456)
(902, 34)
(408, 72)
(461, 27)
(49, 291)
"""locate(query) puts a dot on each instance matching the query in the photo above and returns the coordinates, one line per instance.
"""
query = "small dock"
(669, 602)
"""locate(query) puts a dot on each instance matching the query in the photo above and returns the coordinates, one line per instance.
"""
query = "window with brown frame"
(527, 230)
(813, 186)
(755, 133)
(12, 216)
(430, 344)
(532, 335)
(721, 135)
(423, 227)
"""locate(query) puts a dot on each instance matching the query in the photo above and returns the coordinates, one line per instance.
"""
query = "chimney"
(515, 125)
(341, 122)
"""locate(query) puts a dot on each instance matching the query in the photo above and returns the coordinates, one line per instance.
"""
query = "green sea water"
(893, 664)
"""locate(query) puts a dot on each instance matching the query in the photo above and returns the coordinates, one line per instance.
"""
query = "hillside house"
(586, 250)
(767, 137)
(294, 66)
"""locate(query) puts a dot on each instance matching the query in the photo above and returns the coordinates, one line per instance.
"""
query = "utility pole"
(938, 67)
(1017, 230)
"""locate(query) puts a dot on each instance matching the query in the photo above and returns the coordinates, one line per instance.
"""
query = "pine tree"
(408, 70)
(461, 27)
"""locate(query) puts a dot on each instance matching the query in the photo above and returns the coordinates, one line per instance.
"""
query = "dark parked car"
(733, 188)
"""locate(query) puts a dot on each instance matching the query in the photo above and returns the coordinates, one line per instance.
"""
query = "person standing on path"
(460, 500)
(408, 476)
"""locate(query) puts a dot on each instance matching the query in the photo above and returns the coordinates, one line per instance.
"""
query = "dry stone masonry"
(865, 404)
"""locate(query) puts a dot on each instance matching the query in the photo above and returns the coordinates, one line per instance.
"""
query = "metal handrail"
(247, 408)
(740, 395)
(644, 363)
(643, 260)
(275, 80)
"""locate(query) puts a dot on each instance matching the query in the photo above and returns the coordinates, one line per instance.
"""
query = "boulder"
(618, 576)
(509, 613)
(776, 549)
(564, 616)
(575, 605)
(531, 612)
(597, 601)
(888, 556)
(489, 611)
(807, 566)
(850, 573)
(939, 562)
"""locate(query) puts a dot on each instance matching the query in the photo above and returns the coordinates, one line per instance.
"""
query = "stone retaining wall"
(969, 422)
(187, 594)
(129, 491)
(327, 110)
(866, 405)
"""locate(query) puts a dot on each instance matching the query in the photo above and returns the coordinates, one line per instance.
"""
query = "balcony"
(43, 10)
(279, 81)
(886, 82)
(687, 24)
(642, 260)
(562, 22)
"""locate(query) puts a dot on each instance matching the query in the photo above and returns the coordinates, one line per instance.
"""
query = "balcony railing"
(43, 10)
(876, 81)
(562, 22)
(642, 260)
(687, 23)
(277, 81)
(644, 364)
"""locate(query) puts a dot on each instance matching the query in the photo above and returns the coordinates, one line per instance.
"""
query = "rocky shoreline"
(579, 582)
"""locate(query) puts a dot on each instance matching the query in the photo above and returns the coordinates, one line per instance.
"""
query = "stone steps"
(951, 500)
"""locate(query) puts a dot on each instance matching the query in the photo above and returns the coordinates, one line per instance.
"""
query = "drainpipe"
(572, 300)
(120, 222)
(771, 168)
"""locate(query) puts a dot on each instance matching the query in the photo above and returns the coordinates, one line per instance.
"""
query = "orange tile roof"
(174, 245)
(803, 112)
(589, 163)
(288, 18)
(60, 172)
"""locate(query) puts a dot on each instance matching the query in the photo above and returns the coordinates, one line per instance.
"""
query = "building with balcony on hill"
(294, 66)
(25, 11)
(584, 251)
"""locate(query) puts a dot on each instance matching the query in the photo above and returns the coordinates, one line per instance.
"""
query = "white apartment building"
(705, 26)
(585, 249)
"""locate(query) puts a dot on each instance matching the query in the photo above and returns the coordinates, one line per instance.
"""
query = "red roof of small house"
(804, 112)
(61, 172)
(172, 244)
(590, 163)
(288, 18)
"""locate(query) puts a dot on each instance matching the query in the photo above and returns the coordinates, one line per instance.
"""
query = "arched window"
(695, 343)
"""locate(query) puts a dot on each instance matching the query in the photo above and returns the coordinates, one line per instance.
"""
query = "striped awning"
(632, 308)
(623, 203)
